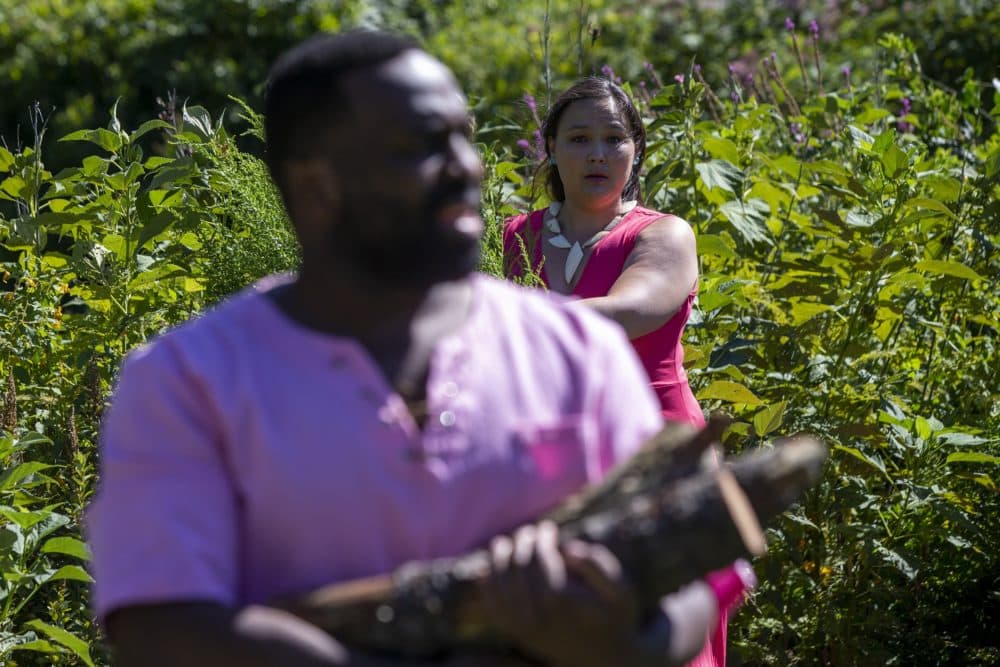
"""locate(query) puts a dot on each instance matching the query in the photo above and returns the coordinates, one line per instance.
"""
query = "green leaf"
(723, 149)
(923, 428)
(769, 419)
(6, 159)
(861, 139)
(859, 455)
(15, 187)
(13, 477)
(24, 519)
(147, 127)
(106, 139)
(713, 244)
(895, 161)
(803, 311)
(972, 457)
(860, 218)
(155, 226)
(961, 439)
(720, 174)
(883, 142)
(947, 268)
(71, 573)
(749, 219)
(896, 561)
(64, 638)
(932, 204)
(199, 118)
(869, 116)
(69, 546)
(732, 392)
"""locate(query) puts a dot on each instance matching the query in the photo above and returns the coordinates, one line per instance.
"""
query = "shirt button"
(449, 389)
(447, 418)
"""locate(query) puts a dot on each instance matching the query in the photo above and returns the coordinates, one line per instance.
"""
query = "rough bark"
(667, 519)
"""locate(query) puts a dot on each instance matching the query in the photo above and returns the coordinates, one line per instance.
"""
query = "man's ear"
(313, 189)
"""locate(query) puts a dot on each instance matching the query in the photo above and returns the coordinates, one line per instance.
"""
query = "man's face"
(410, 188)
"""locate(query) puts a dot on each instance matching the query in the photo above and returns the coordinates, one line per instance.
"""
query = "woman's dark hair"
(595, 88)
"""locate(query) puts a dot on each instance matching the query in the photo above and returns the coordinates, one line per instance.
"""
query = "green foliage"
(847, 230)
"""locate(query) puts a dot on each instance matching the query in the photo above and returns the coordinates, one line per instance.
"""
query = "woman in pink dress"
(597, 242)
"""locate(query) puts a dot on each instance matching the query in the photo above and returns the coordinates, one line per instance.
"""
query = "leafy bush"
(847, 232)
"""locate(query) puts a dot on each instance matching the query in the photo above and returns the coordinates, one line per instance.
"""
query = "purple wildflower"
(814, 29)
(789, 24)
(525, 145)
(610, 74)
(697, 68)
(902, 125)
(732, 68)
(679, 78)
(734, 97)
(529, 99)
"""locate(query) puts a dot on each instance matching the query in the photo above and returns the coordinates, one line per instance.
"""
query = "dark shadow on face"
(409, 177)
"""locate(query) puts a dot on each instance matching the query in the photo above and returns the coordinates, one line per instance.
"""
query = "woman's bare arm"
(659, 273)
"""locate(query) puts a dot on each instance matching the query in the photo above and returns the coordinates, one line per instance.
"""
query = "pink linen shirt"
(246, 457)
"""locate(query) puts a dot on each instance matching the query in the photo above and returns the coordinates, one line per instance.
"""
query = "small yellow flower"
(58, 313)
(809, 566)
(32, 283)
(825, 572)
(6, 275)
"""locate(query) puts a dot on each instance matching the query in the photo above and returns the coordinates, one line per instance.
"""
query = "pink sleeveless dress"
(660, 351)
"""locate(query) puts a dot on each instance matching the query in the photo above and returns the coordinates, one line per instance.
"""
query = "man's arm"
(205, 634)
(658, 276)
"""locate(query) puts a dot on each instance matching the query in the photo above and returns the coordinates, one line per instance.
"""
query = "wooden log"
(664, 536)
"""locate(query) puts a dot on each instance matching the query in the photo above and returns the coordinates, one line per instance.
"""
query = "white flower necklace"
(576, 249)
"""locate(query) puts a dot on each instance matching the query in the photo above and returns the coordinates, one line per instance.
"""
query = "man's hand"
(568, 605)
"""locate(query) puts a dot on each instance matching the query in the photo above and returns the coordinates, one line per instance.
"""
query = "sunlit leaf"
(713, 244)
(65, 638)
(947, 268)
(69, 546)
(748, 219)
(71, 573)
(931, 204)
(732, 392)
(723, 149)
(769, 419)
(6, 159)
(720, 174)
(972, 457)
(896, 561)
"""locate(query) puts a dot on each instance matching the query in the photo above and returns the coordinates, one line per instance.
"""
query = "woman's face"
(594, 151)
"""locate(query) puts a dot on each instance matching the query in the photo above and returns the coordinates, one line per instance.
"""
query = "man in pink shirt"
(384, 404)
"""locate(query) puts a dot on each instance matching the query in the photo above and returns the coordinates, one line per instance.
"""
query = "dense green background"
(845, 202)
